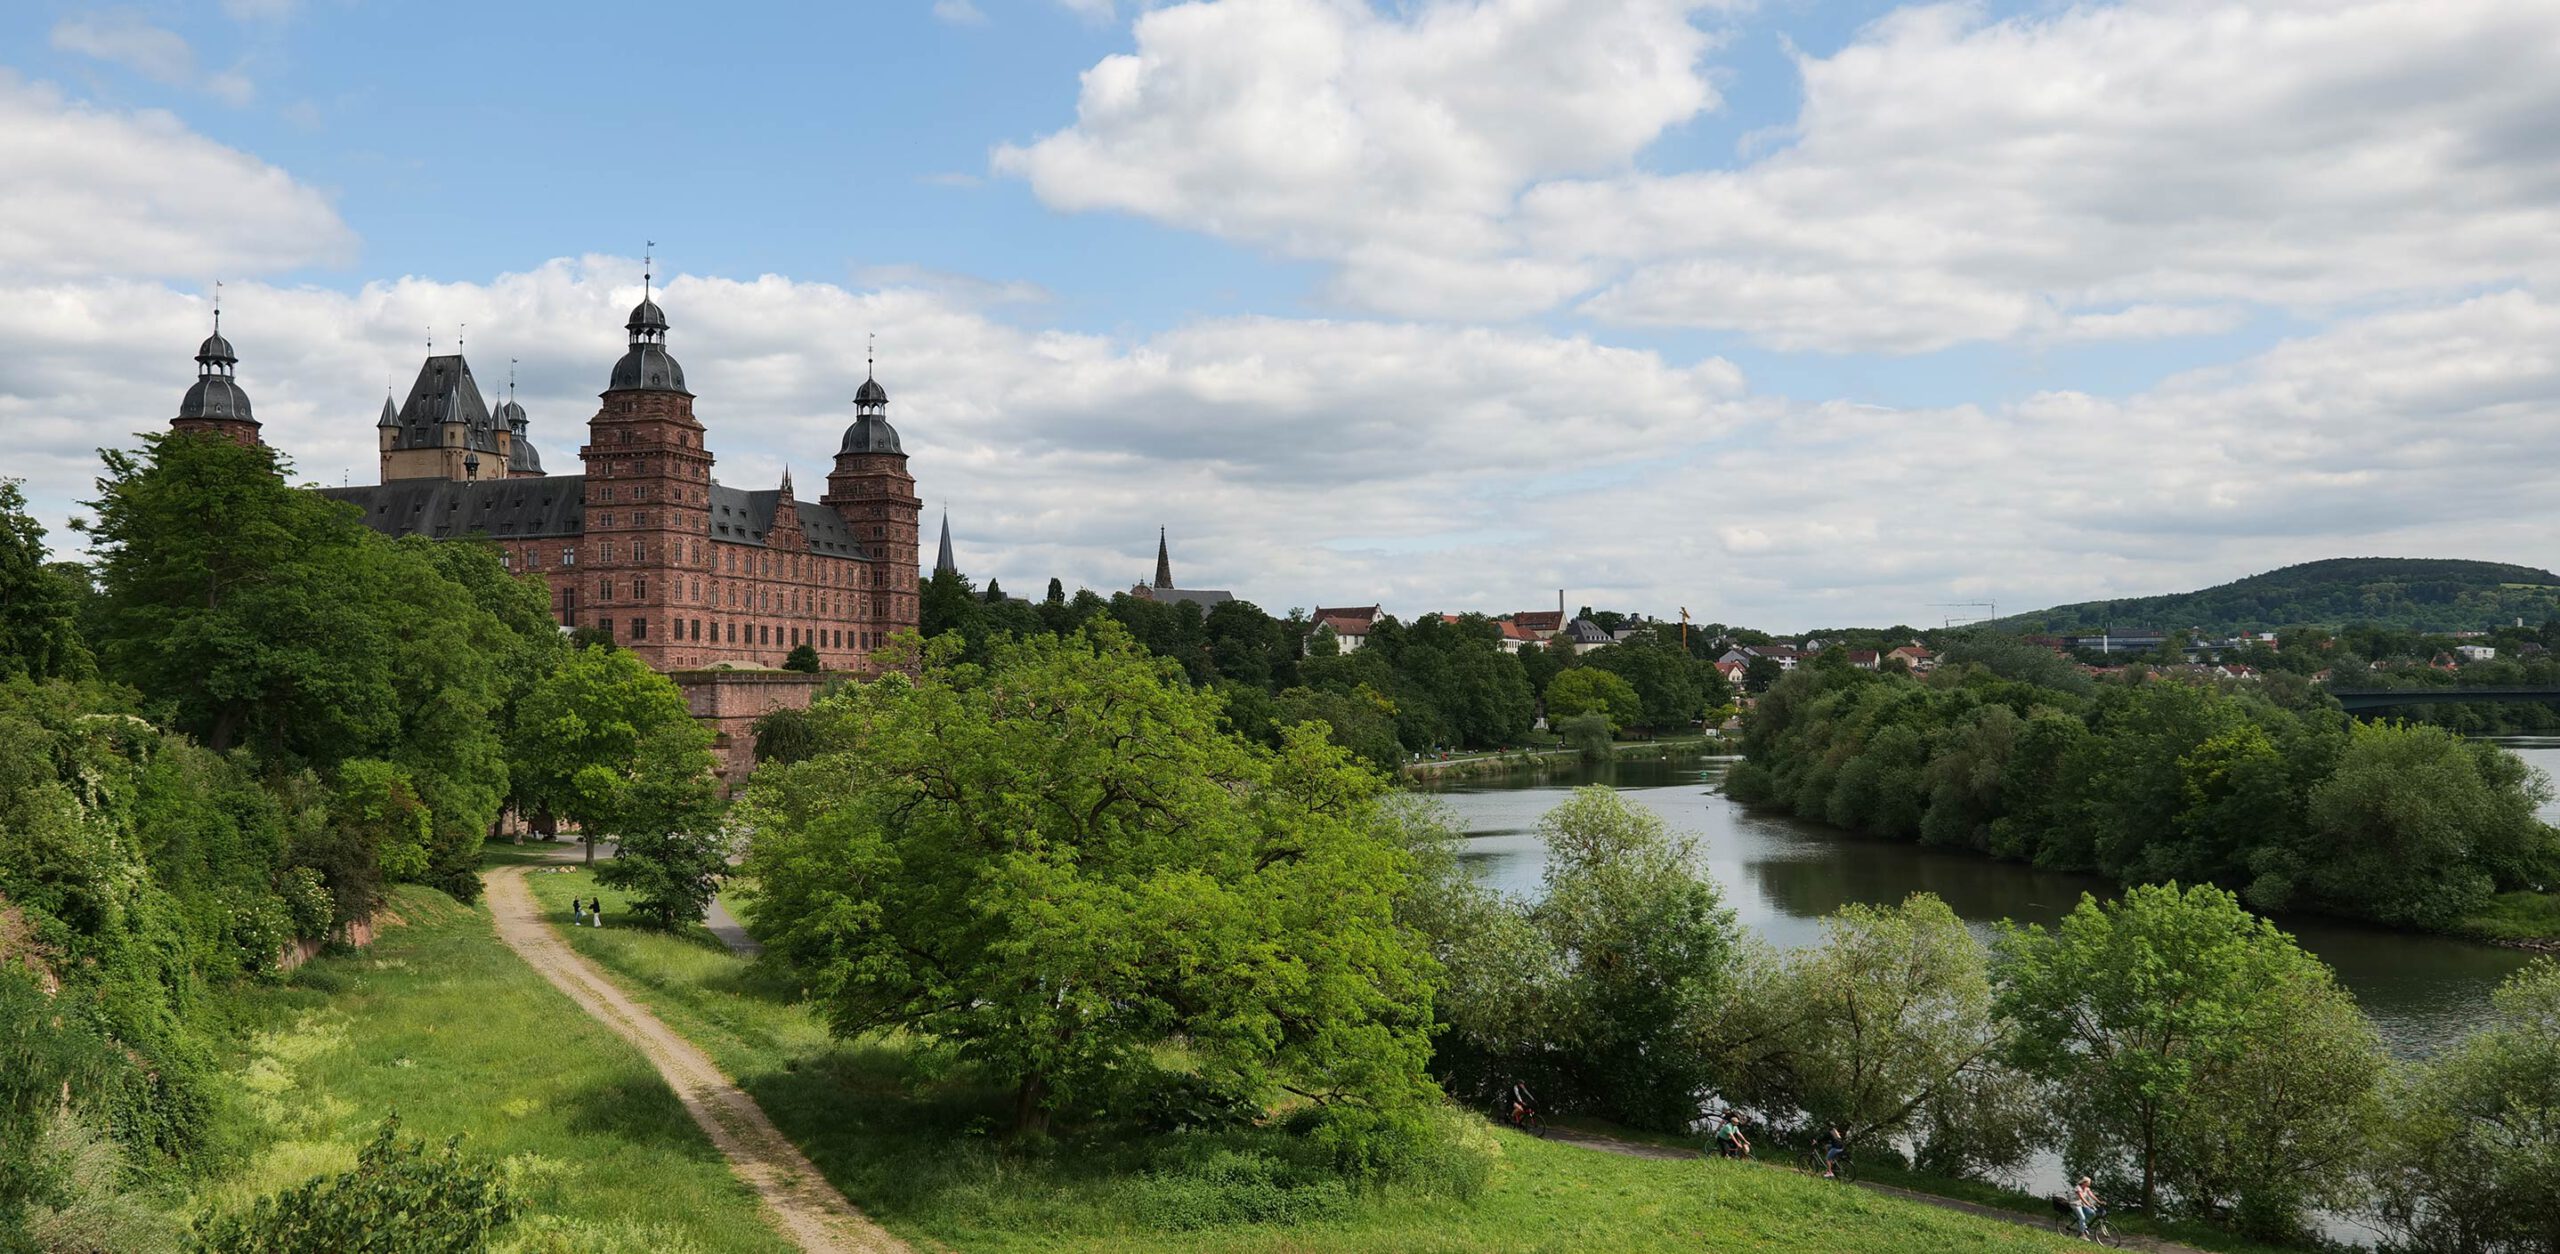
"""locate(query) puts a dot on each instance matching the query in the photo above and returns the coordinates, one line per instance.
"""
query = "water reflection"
(1781, 876)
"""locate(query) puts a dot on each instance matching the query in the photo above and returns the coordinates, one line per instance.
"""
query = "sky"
(1792, 313)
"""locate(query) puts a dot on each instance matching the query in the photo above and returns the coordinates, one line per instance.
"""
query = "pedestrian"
(577, 912)
(595, 910)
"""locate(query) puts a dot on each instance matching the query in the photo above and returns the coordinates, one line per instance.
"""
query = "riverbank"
(1533, 763)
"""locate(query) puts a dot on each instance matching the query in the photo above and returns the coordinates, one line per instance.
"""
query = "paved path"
(1646, 1149)
(731, 932)
(798, 1200)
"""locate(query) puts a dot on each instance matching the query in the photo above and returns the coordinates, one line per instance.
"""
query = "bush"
(1588, 733)
(1230, 1187)
(399, 1200)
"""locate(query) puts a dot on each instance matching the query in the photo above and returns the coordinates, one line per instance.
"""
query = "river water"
(1782, 875)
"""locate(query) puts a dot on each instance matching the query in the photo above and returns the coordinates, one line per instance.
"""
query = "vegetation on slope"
(2427, 594)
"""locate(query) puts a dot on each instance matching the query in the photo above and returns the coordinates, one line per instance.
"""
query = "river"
(1782, 875)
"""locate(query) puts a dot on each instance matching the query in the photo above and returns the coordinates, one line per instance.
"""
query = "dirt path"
(1643, 1149)
(800, 1202)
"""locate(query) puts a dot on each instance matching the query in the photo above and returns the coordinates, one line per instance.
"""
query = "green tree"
(39, 607)
(671, 870)
(2468, 1155)
(1359, 720)
(785, 735)
(1058, 862)
(1886, 1028)
(1590, 690)
(1664, 676)
(1760, 673)
(608, 743)
(2173, 1017)
(1541, 662)
(803, 658)
(946, 602)
(2417, 826)
(1648, 949)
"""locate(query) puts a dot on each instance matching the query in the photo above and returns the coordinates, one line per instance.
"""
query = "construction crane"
(1991, 608)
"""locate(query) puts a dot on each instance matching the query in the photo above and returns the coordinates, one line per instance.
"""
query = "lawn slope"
(439, 1021)
(927, 1166)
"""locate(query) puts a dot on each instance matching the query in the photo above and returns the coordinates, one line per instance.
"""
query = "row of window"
(691, 629)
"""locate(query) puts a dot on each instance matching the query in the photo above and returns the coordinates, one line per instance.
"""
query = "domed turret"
(870, 432)
(216, 402)
(523, 460)
(647, 366)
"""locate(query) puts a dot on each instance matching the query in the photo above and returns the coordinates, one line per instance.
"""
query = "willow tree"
(1059, 863)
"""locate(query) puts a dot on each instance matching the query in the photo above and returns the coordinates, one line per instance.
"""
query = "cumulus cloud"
(1393, 142)
(2098, 171)
(103, 192)
(1308, 461)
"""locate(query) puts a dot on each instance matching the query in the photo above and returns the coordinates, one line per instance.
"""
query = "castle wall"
(729, 702)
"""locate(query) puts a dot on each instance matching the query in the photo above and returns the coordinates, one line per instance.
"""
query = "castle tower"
(871, 489)
(216, 405)
(648, 500)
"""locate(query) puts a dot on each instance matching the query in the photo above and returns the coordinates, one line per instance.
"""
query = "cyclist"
(1835, 1146)
(2086, 1205)
(1729, 1138)
(1522, 1106)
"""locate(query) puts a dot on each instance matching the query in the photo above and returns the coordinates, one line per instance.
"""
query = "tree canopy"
(1059, 862)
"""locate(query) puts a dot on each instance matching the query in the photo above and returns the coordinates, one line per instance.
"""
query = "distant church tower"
(871, 489)
(648, 493)
(1164, 562)
(942, 562)
(216, 405)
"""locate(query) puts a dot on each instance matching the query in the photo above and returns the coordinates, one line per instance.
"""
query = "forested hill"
(2412, 593)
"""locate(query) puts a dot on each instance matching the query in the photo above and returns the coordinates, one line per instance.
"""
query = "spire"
(1164, 562)
(943, 562)
(786, 481)
(390, 412)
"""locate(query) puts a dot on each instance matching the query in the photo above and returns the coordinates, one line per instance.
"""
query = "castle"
(714, 585)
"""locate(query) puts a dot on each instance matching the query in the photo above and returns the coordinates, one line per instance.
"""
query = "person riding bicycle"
(2086, 1205)
(1520, 1104)
(1729, 1139)
(1835, 1146)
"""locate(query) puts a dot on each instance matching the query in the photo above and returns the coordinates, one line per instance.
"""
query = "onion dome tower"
(872, 491)
(646, 494)
(216, 405)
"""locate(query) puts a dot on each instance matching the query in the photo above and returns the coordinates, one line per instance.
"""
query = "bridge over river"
(2367, 700)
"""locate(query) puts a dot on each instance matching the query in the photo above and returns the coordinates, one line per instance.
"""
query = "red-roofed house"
(1350, 625)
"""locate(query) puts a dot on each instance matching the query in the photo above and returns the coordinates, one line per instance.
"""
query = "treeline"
(2181, 1050)
(2145, 781)
(2425, 594)
(1435, 683)
(225, 735)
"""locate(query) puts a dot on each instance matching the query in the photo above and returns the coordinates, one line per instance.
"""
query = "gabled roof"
(504, 509)
(1363, 614)
(443, 393)
(1584, 631)
(1540, 620)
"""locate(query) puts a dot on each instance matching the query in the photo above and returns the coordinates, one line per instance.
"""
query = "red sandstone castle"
(701, 580)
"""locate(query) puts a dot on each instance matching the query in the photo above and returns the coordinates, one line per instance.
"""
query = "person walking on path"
(595, 911)
(577, 912)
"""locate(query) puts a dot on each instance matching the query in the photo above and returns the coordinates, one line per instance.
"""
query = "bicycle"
(1844, 1168)
(2066, 1220)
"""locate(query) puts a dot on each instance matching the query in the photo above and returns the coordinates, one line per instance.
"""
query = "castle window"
(568, 557)
(604, 590)
(607, 554)
(639, 629)
(639, 589)
(733, 631)
(604, 520)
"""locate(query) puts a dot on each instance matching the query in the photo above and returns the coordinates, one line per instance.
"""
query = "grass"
(2515, 916)
(909, 1136)
(441, 1022)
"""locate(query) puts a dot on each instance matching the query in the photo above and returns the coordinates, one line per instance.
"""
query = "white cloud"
(125, 38)
(260, 10)
(959, 13)
(95, 191)
(2094, 171)
(1395, 143)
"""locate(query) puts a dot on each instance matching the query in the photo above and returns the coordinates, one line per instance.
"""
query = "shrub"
(1230, 1187)
(400, 1199)
(1588, 733)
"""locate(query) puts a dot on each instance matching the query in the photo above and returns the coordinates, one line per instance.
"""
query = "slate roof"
(506, 509)
(445, 392)
(1584, 631)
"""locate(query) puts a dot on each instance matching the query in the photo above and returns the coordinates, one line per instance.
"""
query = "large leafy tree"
(1664, 676)
(608, 742)
(1886, 1028)
(2466, 1162)
(2194, 1046)
(1058, 862)
(2418, 827)
(39, 606)
(1590, 690)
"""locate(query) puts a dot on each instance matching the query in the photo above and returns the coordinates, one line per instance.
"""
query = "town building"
(712, 584)
(1162, 589)
(1349, 625)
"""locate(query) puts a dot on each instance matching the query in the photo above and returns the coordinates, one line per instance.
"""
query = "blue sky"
(1416, 303)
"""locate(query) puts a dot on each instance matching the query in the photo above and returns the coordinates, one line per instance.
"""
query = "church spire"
(1164, 562)
(943, 562)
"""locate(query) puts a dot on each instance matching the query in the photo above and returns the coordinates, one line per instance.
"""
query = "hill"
(2412, 593)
